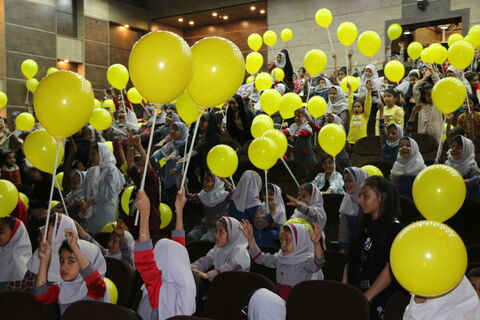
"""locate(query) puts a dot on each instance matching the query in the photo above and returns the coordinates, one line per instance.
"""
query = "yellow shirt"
(391, 115)
(358, 122)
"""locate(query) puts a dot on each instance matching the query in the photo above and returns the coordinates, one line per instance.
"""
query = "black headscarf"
(246, 117)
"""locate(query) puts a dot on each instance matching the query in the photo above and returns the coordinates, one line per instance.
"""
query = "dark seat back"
(123, 276)
(198, 249)
(334, 265)
(270, 273)
(18, 305)
(395, 306)
(82, 310)
(331, 204)
(366, 149)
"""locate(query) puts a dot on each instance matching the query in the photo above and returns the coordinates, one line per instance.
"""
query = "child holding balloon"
(301, 132)
(391, 113)
(359, 111)
(309, 205)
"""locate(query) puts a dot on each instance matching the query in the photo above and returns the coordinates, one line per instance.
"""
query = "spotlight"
(225, 17)
(191, 22)
(180, 19)
(253, 8)
(66, 61)
(126, 26)
(214, 14)
(262, 11)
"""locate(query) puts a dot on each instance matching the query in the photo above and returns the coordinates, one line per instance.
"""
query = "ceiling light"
(191, 22)
(180, 19)
(214, 14)
(407, 32)
(225, 17)
(126, 26)
(443, 27)
(262, 11)
(66, 61)
(253, 8)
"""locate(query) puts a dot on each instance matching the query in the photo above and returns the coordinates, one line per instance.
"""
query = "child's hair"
(474, 273)
(286, 228)
(303, 69)
(65, 246)
(394, 93)
(457, 132)
(392, 126)
(325, 158)
(389, 207)
(307, 187)
(458, 139)
(223, 223)
(343, 69)
(423, 92)
(474, 99)
(10, 221)
(414, 73)
(470, 75)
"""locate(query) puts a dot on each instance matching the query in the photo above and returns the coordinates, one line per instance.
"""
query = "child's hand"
(369, 85)
(292, 201)
(136, 140)
(417, 108)
(201, 274)
(334, 55)
(72, 238)
(142, 203)
(350, 53)
(246, 229)
(380, 107)
(349, 87)
(81, 232)
(180, 200)
(44, 251)
(316, 234)
(120, 231)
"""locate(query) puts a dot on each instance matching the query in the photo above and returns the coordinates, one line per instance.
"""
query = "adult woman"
(239, 120)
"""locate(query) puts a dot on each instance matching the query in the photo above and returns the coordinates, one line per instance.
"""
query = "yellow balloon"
(270, 101)
(222, 161)
(270, 38)
(454, 38)
(438, 192)
(254, 41)
(109, 104)
(278, 74)
(161, 66)
(59, 182)
(187, 109)
(125, 199)
(253, 62)
(323, 17)
(280, 140)
(352, 81)
(315, 61)
(40, 150)
(461, 54)
(263, 153)
(263, 81)
(317, 106)
(31, 84)
(165, 215)
(29, 68)
(63, 103)
(369, 43)
(24, 121)
(394, 71)
(112, 290)
(332, 139)
(109, 144)
(428, 258)
(394, 31)
(260, 124)
(54, 203)
(427, 55)
(288, 104)
(347, 33)
(219, 69)
(96, 104)
(250, 79)
(372, 170)
(134, 96)
(443, 55)
(448, 94)
(117, 76)
(3, 99)
(436, 51)
(473, 39)
(475, 29)
(100, 119)
(24, 199)
(52, 70)
(414, 50)
(8, 198)
(299, 221)
(286, 34)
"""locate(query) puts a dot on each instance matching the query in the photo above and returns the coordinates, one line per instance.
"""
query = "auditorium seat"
(331, 204)
(123, 276)
(384, 166)
(265, 271)
(98, 310)
(198, 249)
(466, 222)
(395, 306)
(19, 305)
(334, 265)
(365, 150)
(427, 144)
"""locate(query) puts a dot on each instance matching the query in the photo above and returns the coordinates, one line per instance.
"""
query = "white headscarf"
(294, 128)
(376, 80)
(461, 76)
(411, 166)
(315, 207)
(349, 205)
(15, 254)
(175, 144)
(280, 212)
(94, 174)
(236, 247)
(76, 290)
(467, 162)
(303, 246)
(340, 104)
(76, 195)
(246, 194)
(62, 222)
(283, 62)
(215, 196)
(266, 305)
(399, 136)
(461, 303)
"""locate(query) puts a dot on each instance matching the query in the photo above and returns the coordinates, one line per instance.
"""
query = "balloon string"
(185, 150)
(7, 137)
(144, 108)
(233, 183)
(378, 88)
(190, 153)
(266, 193)
(309, 89)
(346, 60)
(145, 168)
(334, 164)
(468, 104)
(125, 107)
(330, 39)
(290, 171)
(51, 192)
(59, 187)
(440, 144)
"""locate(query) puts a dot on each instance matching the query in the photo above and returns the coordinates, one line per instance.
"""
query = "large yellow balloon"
(63, 103)
(100, 119)
(263, 153)
(24, 121)
(286, 34)
(317, 106)
(253, 62)
(332, 139)
(40, 150)
(109, 104)
(473, 39)
(161, 66)
(8, 198)
(280, 140)
(436, 51)
(165, 215)
(475, 29)
(414, 50)
(270, 101)
(347, 33)
(134, 96)
(125, 199)
(454, 38)
(254, 41)
(461, 54)
(369, 43)
(315, 61)
(438, 192)
(32, 84)
(187, 109)
(443, 55)
(263, 81)
(372, 170)
(349, 80)
(3, 99)
(59, 182)
(219, 69)
(394, 71)
(428, 258)
(222, 160)
(270, 38)
(288, 104)
(117, 76)
(394, 31)
(278, 74)
(323, 17)
(449, 94)
(427, 55)
(112, 290)
(29, 68)
(24, 199)
(260, 124)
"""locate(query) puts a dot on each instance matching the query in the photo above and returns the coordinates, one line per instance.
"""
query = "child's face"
(369, 200)
(75, 182)
(428, 96)
(357, 108)
(304, 196)
(5, 233)
(232, 104)
(294, 77)
(412, 80)
(113, 244)
(328, 166)
(368, 73)
(389, 99)
(350, 184)
(168, 119)
(279, 58)
(94, 157)
(208, 183)
(456, 150)
(174, 132)
(221, 235)
(298, 118)
(11, 159)
(321, 82)
(450, 73)
(168, 110)
(405, 149)
(203, 125)
(475, 281)
(341, 75)
(330, 118)
(69, 267)
(392, 134)
(122, 116)
(301, 73)
(286, 242)
(333, 94)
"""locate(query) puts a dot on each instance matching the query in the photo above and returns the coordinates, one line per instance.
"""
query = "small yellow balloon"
(117, 76)
(414, 50)
(286, 34)
(100, 119)
(112, 290)
(288, 104)
(349, 80)
(165, 215)
(427, 55)
(263, 81)
(24, 121)
(108, 104)
(270, 101)
(59, 182)
(280, 140)
(428, 258)
(125, 199)
(29, 68)
(317, 106)
(442, 56)
(270, 38)
(332, 139)
(52, 70)
(54, 203)
(372, 170)
(369, 43)
(315, 61)
(475, 29)
(260, 124)
(40, 150)
(8, 198)
(394, 71)
(473, 39)
(134, 96)
(96, 104)
(253, 62)
(222, 161)
(323, 17)
(250, 79)
(448, 94)
(461, 54)
(3, 99)
(32, 84)
(278, 74)
(263, 153)
(109, 144)
(24, 199)
(394, 31)
(347, 33)
(436, 51)
(454, 38)
(187, 109)
(254, 41)
(299, 221)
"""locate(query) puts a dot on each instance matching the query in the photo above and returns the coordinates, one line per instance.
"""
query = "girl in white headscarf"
(390, 140)
(15, 250)
(266, 305)
(370, 73)
(459, 74)
(301, 133)
(246, 197)
(309, 205)
(267, 225)
(102, 186)
(338, 104)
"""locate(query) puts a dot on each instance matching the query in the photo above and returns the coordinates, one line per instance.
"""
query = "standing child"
(329, 181)
(390, 113)
(75, 196)
(301, 133)
(389, 137)
(338, 104)
(309, 205)
(359, 112)
(10, 170)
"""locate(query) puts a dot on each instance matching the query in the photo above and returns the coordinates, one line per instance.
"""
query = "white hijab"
(62, 222)
(215, 196)
(316, 207)
(410, 166)
(130, 244)
(235, 249)
(266, 305)
(399, 136)
(294, 128)
(376, 80)
(76, 290)
(303, 246)
(283, 62)
(280, 212)
(246, 194)
(461, 303)
(95, 174)
(349, 205)
(340, 104)
(467, 162)
(15, 254)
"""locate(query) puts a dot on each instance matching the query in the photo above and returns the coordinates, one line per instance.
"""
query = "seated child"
(267, 225)
(329, 181)
(390, 139)
(309, 205)
(301, 133)
(10, 170)
(266, 305)
(390, 113)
